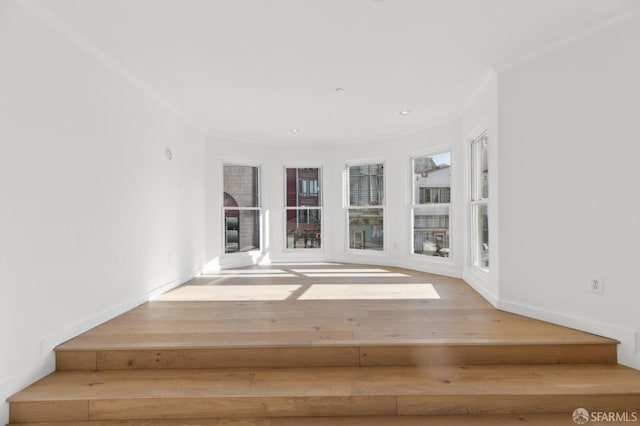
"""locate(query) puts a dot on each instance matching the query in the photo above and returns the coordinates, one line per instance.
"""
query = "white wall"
(93, 217)
(569, 206)
(395, 152)
(480, 115)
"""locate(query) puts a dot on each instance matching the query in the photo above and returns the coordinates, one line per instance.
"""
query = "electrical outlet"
(596, 285)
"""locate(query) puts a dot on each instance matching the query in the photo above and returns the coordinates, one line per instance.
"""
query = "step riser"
(236, 407)
(342, 356)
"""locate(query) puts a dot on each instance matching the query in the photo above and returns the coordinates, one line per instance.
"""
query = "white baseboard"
(628, 338)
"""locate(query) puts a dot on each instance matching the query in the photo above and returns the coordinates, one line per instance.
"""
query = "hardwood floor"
(190, 316)
(291, 344)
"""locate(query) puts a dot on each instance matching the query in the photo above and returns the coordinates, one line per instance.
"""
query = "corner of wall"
(478, 280)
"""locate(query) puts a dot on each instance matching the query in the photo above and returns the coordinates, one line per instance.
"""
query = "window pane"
(303, 187)
(480, 168)
(303, 228)
(366, 185)
(241, 186)
(432, 177)
(480, 218)
(366, 229)
(431, 231)
(480, 201)
(484, 168)
(242, 230)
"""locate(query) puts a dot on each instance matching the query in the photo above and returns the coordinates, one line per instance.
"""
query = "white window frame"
(348, 206)
(477, 200)
(414, 205)
(320, 208)
(258, 209)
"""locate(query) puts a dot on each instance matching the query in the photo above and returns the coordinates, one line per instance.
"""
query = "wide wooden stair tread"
(149, 394)
(450, 360)
(334, 381)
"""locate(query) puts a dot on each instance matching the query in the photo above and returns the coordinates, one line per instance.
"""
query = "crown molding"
(57, 25)
(489, 76)
(566, 42)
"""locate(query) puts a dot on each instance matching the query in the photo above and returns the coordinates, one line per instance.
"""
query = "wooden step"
(451, 420)
(68, 396)
(337, 355)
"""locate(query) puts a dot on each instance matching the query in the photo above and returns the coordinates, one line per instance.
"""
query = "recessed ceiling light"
(295, 130)
(404, 112)
(339, 89)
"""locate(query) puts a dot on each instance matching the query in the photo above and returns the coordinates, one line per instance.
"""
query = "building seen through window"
(241, 208)
(366, 206)
(431, 205)
(304, 208)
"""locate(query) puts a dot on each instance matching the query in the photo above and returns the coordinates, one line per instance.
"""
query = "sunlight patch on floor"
(344, 271)
(217, 275)
(229, 293)
(355, 275)
(305, 264)
(250, 271)
(370, 291)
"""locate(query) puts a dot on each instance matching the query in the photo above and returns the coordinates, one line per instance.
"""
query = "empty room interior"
(288, 213)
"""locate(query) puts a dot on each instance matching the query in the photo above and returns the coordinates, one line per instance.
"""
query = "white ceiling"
(255, 69)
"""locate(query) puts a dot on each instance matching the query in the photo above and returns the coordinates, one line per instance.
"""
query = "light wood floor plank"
(49, 410)
(248, 406)
(308, 356)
